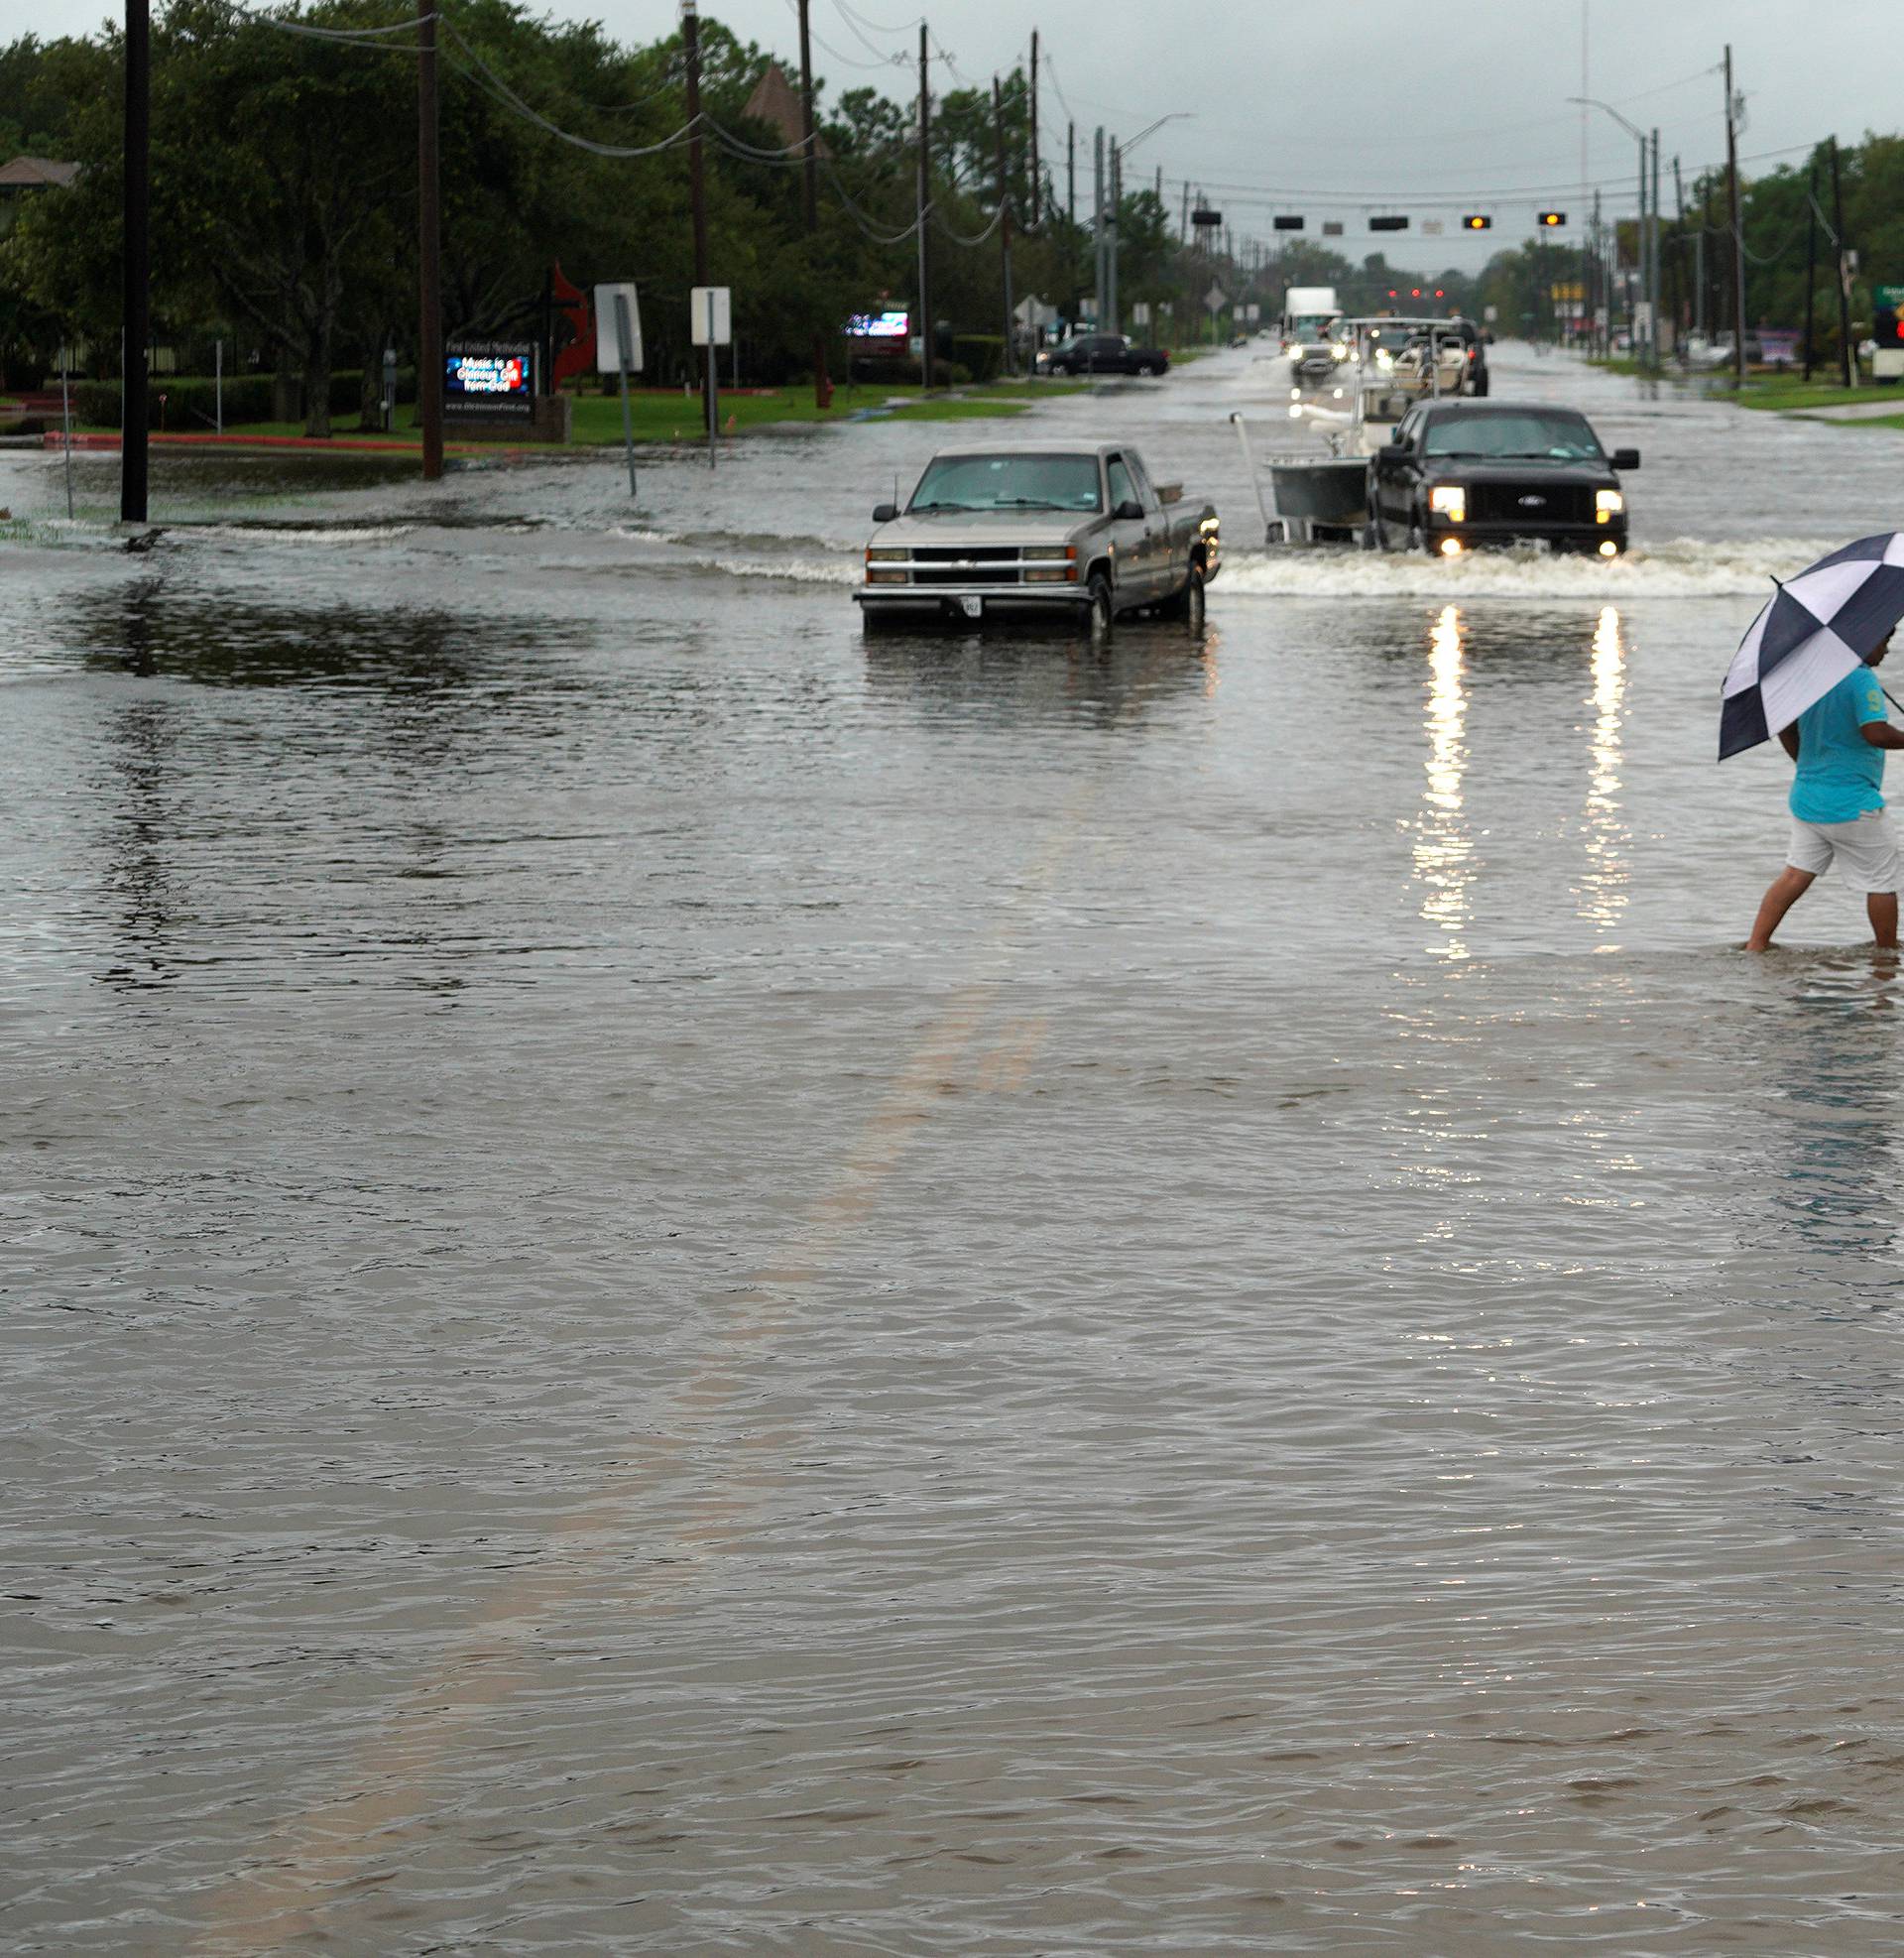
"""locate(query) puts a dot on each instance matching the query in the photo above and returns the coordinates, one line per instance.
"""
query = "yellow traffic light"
(1475, 221)
(1550, 218)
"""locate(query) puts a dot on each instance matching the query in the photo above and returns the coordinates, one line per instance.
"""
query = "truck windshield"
(1009, 482)
(1523, 436)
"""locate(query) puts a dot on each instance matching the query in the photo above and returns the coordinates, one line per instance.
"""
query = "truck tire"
(1100, 614)
(1187, 601)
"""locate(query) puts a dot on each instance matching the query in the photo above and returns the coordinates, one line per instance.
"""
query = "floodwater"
(676, 1283)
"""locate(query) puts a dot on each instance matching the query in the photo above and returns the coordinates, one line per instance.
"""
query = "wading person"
(1838, 804)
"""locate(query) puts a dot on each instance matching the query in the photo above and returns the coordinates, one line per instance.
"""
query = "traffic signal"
(1476, 221)
(1387, 224)
(1550, 219)
(1887, 329)
(1287, 223)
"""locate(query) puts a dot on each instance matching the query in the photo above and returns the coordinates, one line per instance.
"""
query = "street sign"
(1140, 314)
(1286, 223)
(1387, 224)
(608, 352)
(1216, 299)
(1332, 227)
(1253, 313)
(711, 316)
(1431, 227)
(1206, 218)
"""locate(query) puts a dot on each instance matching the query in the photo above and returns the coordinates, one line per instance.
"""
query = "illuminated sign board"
(489, 377)
(883, 328)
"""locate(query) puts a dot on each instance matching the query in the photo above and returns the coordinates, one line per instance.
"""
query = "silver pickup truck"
(1055, 527)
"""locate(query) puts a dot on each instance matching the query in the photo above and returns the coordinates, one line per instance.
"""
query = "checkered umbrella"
(1817, 628)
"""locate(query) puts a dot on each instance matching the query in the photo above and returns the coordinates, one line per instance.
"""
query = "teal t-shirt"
(1839, 774)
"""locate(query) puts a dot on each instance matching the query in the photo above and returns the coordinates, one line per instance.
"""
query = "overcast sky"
(1338, 109)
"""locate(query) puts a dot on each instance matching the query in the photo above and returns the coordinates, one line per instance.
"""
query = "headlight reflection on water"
(1603, 893)
(1443, 847)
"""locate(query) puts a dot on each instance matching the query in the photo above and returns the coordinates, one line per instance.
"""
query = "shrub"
(982, 353)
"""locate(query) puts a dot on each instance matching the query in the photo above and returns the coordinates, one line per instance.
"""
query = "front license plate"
(974, 608)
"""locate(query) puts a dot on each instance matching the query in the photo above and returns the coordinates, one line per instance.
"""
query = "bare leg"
(1880, 906)
(1786, 889)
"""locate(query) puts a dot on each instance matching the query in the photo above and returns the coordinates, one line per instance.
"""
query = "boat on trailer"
(1386, 366)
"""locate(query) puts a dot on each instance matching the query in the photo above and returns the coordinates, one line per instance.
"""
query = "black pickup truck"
(1461, 472)
(1103, 353)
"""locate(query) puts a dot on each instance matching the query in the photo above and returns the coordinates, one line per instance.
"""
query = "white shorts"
(1863, 849)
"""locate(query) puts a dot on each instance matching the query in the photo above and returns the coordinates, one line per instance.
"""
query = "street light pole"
(1641, 259)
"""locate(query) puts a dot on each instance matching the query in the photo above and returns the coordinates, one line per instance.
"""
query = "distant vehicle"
(1306, 311)
(1103, 353)
(1072, 528)
(1458, 474)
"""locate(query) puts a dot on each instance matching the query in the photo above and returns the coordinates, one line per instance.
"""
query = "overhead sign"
(1387, 224)
(489, 377)
(711, 315)
(1431, 227)
(1287, 223)
(1332, 227)
(1206, 218)
(608, 352)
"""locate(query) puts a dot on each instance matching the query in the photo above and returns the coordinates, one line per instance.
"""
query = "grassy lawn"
(671, 417)
(1787, 391)
(1767, 389)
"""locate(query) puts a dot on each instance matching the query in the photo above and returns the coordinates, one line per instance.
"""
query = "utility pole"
(1845, 357)
(697, 189)
(1653, 255)
(1811, 262)
(810, 173)
(1037, 157)
(809, 162)
(1679, 251)
(1004, 227)
(1602, 296)
(1071, 173)
(925, 201)
(1738, 230)
(134, 453)
(1113, 241)
(429, 249)
(1097, 226)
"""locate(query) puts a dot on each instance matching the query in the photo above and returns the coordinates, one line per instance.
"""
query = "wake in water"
(1679, 568)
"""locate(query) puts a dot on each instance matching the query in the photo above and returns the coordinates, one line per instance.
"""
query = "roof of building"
(776, 102)
(25, 172)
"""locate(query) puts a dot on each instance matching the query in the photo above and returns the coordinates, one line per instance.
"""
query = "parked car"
(1072, 528)
(1105, 353)
(1461, 473)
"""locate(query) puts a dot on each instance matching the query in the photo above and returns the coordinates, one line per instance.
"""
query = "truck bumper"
(1581, 539)
(980, 602)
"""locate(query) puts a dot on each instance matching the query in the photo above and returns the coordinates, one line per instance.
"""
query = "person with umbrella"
(1803, 671)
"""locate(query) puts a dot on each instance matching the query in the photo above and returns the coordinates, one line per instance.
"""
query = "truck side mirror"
(1626, 458)
(1129, 511)
(884, 513)
(1394, 452)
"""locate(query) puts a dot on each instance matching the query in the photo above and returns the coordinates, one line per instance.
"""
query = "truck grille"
(1501, 503)
(979, 553)
(965, 575)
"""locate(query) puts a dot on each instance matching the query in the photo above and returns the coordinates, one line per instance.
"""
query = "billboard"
(489, 377)
(881, 331)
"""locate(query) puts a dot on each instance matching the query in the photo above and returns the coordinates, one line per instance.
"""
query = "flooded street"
(681, 1283)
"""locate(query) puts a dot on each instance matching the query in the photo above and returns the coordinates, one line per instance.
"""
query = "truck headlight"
(1340, 351)
(887, 556)
(887, 578)
(1297, 351)
(1046, 553)
(1449, 500)
(1607, 504)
